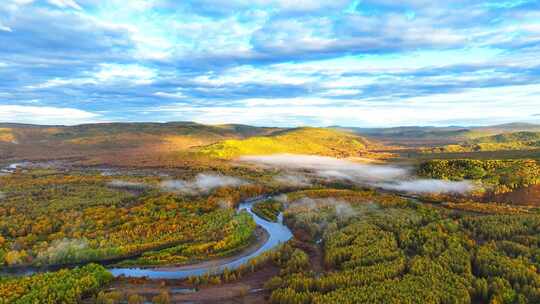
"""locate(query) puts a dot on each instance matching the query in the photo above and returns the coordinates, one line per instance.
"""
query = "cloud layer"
(332, 168)
(381, 176)
(429, 186)
(202, 183)
(270, 62)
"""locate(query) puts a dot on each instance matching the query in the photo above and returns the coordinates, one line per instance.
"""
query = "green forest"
(64, 286)
(502, 175)
(54, 218)
(412, 253)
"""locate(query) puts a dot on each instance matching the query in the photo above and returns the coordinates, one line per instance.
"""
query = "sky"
(363, 63)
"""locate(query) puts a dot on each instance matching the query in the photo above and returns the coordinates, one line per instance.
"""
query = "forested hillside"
(145, 144)
(298, 141)
(500, 142)
(402, 252)
(502, 175)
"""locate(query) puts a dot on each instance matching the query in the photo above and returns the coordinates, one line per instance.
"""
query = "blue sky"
(270, 62)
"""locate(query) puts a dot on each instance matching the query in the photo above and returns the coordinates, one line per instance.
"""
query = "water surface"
(278, 234)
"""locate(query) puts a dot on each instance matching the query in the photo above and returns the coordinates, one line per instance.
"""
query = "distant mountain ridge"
(430, 135)
(523, 136)
(142, 141)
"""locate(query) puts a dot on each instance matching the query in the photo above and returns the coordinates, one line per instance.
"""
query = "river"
(278, 233)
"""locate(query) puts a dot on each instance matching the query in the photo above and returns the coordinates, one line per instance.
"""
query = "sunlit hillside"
(115, 142)
(300, 141)
(6, 135)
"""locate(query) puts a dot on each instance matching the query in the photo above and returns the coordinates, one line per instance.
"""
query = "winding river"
(277, 233)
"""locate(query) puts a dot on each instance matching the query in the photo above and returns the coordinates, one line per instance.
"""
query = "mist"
(126, 184)
(429, 186)
(296, 180)
(342, 208)
(282, 198)
(203, 183)
(332, 169)
(60, 250)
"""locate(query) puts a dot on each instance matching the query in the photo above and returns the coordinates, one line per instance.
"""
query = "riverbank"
(260, 238)
(277, 232)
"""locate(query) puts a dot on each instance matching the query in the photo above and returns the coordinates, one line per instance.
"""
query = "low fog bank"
(59, 250)
(382, 176)
(203, 183)
(328, 167)
(126, 184)
(342, 209)
(296, 180)
(429, 186)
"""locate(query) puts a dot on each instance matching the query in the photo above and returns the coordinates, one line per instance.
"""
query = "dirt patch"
(249, 289)
(316, 255)
(527, 196)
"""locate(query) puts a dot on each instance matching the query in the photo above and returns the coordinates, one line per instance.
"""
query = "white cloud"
(248, 74)
(299, 101)
(65, 4)
(463, 107)
(4, 28)
(45, 115)
(177, 95)
(341, 92)
(131, 73)
(58, 82)
(107, 74)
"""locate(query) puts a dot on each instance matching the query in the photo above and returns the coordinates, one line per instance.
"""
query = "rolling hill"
(107, 132)
(524, 136)
(6, 135)
(524, 140)
(299, 141)
(115, 143)
(437, 136)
